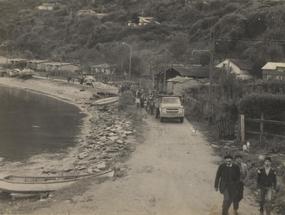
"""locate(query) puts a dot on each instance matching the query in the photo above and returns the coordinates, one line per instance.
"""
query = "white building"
(240, 68)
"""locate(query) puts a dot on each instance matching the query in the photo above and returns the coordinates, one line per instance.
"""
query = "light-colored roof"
(242, 64)
(56, 63)
(179, 79)
(273, 65)
(37, 61)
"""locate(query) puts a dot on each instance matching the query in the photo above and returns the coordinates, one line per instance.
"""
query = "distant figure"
(266, 183)
(227, 180)
(138, 102)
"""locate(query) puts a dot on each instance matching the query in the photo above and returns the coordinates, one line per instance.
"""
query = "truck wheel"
(182, 119)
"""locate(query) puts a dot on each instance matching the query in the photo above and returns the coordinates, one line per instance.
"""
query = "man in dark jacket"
(227, 180)
(266, 183)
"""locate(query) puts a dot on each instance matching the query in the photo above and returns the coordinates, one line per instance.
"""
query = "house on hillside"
(146, 20)
(274, 71)
(91, 13)
(189, 71)
(240, 68)
(143, 21)
(47, 6)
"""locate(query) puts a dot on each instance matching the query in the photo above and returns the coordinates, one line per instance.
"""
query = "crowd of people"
(231, 177)
(145, 99)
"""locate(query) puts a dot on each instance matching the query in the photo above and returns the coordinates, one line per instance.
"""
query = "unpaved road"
(172, 172)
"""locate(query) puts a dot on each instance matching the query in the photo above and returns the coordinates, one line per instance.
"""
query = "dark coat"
(228, 178)
(264, 181)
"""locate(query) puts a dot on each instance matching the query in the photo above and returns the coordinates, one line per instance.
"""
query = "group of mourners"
(231, 177)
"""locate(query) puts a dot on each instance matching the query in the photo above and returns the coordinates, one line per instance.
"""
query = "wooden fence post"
(261, 128)
(242, 129)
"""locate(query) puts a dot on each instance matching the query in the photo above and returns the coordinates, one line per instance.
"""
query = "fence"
(261, 132)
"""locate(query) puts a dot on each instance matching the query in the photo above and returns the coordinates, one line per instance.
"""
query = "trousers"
(228, 200)
(265, 199)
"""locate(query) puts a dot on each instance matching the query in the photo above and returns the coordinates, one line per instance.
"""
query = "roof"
(179, 79)
(56, 63)
(273, 65)
(196, 71)
(242, 64)
(37, 61)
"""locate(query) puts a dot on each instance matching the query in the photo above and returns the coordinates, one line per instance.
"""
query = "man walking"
(266, 183)
(227, 180)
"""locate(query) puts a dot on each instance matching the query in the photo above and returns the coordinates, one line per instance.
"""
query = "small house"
(274, 71)
(35, 64)
(146, 20)
(58, 68)
(239, 68)
(47, 6)
(91, 13)
(174, 70)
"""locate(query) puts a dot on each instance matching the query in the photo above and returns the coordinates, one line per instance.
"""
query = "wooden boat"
(106, 101)
(30, 184)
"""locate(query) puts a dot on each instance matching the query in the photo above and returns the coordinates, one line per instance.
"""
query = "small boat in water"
(30, 184)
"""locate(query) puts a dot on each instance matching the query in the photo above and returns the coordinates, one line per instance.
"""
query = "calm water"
(31, 124)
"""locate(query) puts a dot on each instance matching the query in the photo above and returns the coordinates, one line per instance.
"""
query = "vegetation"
(243, 27)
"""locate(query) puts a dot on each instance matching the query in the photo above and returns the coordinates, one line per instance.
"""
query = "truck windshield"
(171, 100)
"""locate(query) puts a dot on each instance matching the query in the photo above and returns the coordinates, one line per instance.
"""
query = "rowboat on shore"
(30, 184)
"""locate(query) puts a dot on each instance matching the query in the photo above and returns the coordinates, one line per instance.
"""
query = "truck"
(169, 107)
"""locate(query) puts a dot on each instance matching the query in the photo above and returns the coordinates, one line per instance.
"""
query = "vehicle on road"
(169, 107)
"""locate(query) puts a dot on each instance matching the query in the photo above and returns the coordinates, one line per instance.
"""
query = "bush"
(269, 104)
(125, 100)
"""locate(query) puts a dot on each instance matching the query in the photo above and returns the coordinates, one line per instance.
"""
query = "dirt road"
(172, 172)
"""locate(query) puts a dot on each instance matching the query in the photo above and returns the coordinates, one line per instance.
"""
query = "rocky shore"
(105, 135)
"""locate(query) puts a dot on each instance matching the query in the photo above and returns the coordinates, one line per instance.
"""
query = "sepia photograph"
(142, 107)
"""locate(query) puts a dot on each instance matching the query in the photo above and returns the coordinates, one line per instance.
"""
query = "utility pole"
(211, 71)
(130, 58)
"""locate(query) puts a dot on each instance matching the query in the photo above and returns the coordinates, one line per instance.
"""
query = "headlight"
(163, 110)
(181, 110)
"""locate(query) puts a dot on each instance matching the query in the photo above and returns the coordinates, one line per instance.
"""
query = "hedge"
(255, 104)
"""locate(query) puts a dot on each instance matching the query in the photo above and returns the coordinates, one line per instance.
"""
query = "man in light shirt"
(266, 183)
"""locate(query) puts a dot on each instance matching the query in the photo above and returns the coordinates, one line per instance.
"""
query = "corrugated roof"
(273, 65)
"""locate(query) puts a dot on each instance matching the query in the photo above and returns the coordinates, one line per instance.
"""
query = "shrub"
(255, 104)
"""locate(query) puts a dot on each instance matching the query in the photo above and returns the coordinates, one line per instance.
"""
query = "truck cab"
(169, 107)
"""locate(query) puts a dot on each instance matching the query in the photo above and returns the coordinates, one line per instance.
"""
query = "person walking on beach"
(227, 180)
(266, 183)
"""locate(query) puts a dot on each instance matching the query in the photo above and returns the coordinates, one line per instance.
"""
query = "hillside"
(243, 28)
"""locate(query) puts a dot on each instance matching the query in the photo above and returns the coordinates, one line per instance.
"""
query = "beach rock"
(113, 138)
(82, 155)
(120, 142)
(101, 166)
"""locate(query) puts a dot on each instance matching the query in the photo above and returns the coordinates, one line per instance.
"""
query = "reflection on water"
(31, 124)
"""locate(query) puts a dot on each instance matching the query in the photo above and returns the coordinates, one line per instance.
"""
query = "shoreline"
(64, 92)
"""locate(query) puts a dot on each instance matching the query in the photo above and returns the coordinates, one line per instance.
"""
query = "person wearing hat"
(227, 180)
(266, 183)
